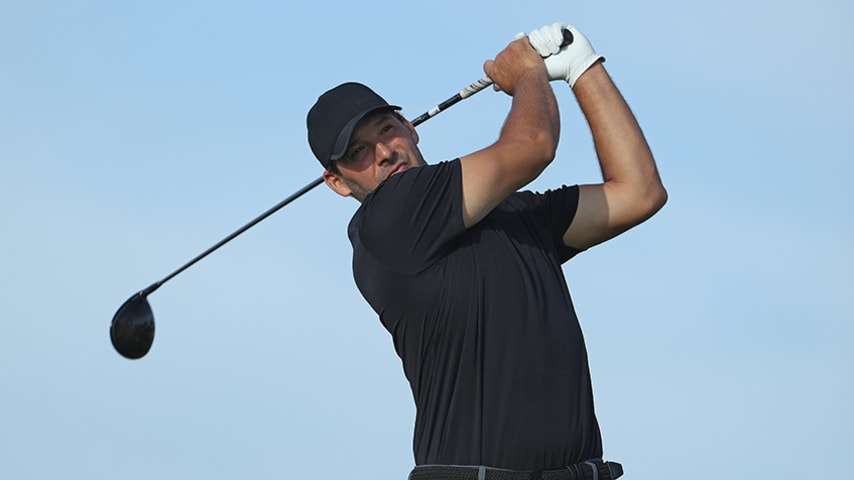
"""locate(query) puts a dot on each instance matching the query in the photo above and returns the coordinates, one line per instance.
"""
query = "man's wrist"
(596, 64)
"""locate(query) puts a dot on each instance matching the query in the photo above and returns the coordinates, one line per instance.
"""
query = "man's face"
(381, 145)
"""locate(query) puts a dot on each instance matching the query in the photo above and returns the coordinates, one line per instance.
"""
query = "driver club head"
(132, 328)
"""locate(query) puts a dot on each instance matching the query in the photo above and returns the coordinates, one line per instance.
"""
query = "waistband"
(596, 469)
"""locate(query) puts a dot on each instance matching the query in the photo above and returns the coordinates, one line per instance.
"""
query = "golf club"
(132, 327)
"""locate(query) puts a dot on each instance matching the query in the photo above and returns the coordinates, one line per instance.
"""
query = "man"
(465, 272)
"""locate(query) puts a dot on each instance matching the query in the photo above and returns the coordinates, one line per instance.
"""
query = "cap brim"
(343, 140)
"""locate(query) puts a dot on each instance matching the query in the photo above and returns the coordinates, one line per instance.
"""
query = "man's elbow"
(653, 200)
(532, 153)
(635, 205)
(659, 198)
(543, 148)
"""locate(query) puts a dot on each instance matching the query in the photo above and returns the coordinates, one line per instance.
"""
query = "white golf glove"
(569, 62)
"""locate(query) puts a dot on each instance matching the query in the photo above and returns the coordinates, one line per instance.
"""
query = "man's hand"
(564, 63)
(512, 64)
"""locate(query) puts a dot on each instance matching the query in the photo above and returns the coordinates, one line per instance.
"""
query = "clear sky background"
(134, 135)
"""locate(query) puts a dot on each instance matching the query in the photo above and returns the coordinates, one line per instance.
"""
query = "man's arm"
(528, 139)
(632, 190)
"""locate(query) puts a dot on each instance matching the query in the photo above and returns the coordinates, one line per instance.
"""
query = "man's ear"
(336, 183)
(411, 128)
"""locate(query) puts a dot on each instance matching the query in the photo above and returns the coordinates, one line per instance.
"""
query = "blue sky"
(135, 135)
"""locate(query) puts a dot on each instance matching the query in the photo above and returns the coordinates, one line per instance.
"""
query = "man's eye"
(356, 152)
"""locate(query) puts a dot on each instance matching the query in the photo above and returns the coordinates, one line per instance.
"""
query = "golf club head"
(132, 328)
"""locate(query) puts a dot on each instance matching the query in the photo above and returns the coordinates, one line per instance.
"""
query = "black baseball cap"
(334, 116)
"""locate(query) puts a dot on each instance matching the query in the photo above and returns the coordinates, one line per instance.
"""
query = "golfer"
(464, 270)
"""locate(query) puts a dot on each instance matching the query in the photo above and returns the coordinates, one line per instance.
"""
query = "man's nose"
(383, 153)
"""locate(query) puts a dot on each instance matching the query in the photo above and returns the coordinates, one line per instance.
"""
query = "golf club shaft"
(256, 220)
(464, 93)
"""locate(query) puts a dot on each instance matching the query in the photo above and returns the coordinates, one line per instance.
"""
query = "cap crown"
(334, 116)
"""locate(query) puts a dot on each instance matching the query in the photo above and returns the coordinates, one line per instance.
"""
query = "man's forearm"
(534, 114)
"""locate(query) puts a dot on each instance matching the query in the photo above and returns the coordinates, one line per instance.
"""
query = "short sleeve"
(555, 209)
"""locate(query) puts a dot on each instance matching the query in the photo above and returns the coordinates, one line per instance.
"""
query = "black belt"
(589, 470)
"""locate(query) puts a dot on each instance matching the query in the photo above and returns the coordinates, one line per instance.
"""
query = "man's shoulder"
(401, 182)
(411, 217)
(410, 184)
